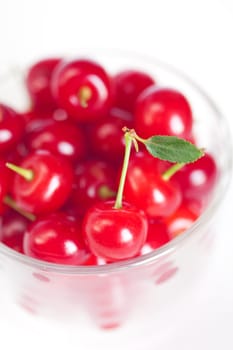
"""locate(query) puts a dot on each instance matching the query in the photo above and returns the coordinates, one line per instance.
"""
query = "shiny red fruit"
(163, 111)
(55, 238)
(38, 83)
(114, 234)
(13, 228)
(95, 180)
(11, 128)
(5, 179)
(180, 221)
(93, 260)
(62, 138)
(106, 135)
(49, 187)
(197, 179)
(83, 89)
(146, 189)
(129, 84)
(157, 236)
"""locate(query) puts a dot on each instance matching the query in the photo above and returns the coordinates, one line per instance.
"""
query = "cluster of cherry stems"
(61, 163)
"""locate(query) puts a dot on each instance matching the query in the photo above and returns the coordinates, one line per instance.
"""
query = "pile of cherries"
(65, 196)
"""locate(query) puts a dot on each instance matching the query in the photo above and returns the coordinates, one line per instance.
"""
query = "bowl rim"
(168, 248)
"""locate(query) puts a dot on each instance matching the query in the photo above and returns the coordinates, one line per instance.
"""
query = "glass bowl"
(128, 293)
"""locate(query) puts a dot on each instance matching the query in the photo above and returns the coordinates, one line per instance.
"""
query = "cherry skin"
(180, 221)
(11, 128)
(36, 118)
(55, 238)
(94, 181)
(197, 179)
(5, 180)
(93, 260)
(38, 83)
(63, 138)
(163, 111)
(106, 136)
(147, 190)
(49, 186)
(13, 228)
(114, 234)
(128, 85)
(83, 89)
(157, 236)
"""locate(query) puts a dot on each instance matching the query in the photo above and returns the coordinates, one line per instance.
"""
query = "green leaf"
(173, 149)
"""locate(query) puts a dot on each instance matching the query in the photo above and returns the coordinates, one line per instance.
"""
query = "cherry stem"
(27, 174)
(84, 95)
(128, 144)
(11, 203)
(105, 192)
(172, 170)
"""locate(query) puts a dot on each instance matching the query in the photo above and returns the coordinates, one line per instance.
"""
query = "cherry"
(34, 118)
(197, 180)
(42, 182)
(94, 181)
(55, 238)
(116, 231)
(106, 137)
(114, 234)
(38, 83)
(180, 221)
(62, 138)
(17, 154)
(13, 227)
(11, 128)
(94, 260)
(128, 85)
(157, 236)
(147, 190)
(5, 178)
(163, 111)
(83, 89)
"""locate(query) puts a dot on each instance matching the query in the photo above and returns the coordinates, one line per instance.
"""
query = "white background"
(195, 36)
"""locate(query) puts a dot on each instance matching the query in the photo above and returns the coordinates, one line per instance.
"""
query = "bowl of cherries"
(111, 173)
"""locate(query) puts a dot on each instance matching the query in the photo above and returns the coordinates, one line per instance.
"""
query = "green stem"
(27, 174)
(128, 144)
(104, 192)
(11, 203)
(172, 170)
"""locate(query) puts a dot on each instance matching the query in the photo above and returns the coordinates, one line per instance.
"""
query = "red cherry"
(157, 236)
(63, 138)
(129, 84)
(197, 179)
(83, 89)
(13, 228)
(34, 118)
(106, 136)
(5, 179)
(11, 128)
(93, 260)
(38, 83)
(55, 238)
(146, 189)
(180, 221)
(94, 181)
(114, 234)
(163, 111)
(48, 184)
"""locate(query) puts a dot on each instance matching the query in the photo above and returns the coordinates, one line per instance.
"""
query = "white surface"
(193, 35)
